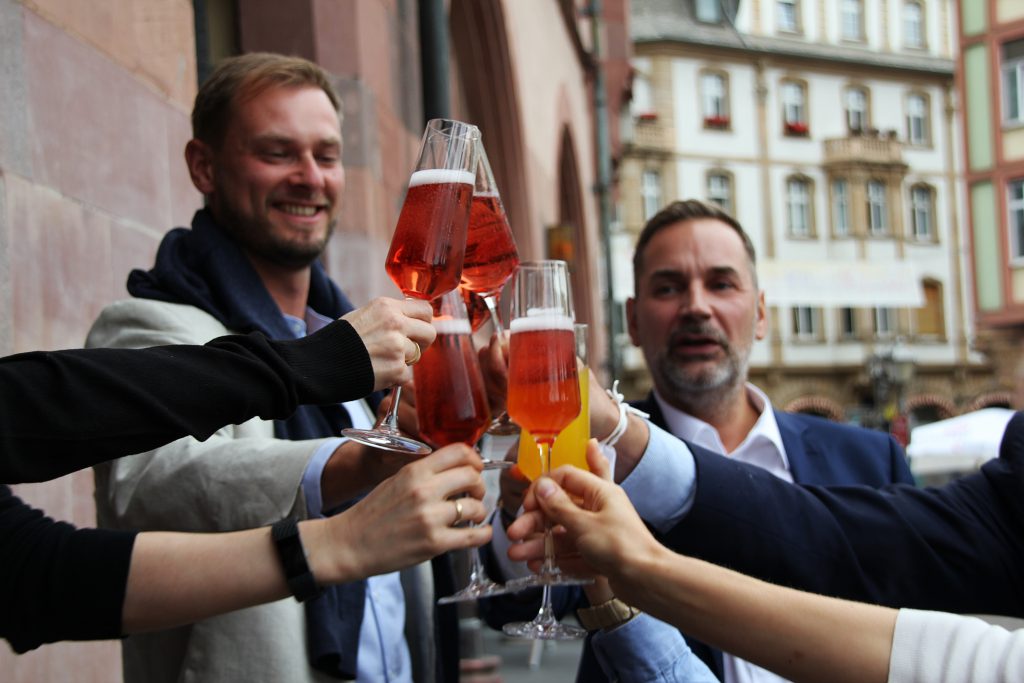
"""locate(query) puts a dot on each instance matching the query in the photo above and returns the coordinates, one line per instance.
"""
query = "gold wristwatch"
(607, 615)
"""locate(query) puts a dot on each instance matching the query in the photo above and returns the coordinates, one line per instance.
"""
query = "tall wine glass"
(543, 397)
(491, 257)
(451, 405)
(428, 247)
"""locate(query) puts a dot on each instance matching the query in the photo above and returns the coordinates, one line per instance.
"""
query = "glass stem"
(390, 419)
(549, 541)
(546, 615)
(492, 307)
(476, 567)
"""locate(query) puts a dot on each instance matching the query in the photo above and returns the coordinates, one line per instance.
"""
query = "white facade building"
(830, 129)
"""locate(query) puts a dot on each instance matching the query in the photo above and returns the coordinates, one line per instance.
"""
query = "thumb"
(555, 503)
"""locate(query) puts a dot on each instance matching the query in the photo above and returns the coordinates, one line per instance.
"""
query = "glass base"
(544, 629)
(478, 589)
(556, 578)
(497, 464)
(387, 439)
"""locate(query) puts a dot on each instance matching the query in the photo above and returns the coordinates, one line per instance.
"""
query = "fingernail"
(545, 488)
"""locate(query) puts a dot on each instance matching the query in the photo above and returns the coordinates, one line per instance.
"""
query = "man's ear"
(631, 320)
(199, 159)
(761, 318)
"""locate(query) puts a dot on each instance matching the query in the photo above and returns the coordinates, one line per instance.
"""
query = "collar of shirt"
(313, 322)
(763, 445)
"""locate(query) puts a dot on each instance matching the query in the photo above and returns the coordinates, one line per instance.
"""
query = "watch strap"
(607, 615)
(288, 543)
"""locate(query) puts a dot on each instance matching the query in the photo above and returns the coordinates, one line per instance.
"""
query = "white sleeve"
(936, 647)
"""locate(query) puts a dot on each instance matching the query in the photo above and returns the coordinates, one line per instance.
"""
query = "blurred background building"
(832, 131)
(95, 117)
(991, 84)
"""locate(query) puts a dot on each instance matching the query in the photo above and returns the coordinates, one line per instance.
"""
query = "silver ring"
(458, 512)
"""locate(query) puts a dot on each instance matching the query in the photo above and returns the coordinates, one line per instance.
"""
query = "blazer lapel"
(805, 461)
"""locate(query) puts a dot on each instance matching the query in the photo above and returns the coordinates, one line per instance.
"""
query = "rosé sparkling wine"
(429, 243)
(491, 255)
(475, 306)
(451, 403)
(543, 382)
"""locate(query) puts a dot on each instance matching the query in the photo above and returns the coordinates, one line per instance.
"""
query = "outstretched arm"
(58, 583)
(62, 411)
(786, 631)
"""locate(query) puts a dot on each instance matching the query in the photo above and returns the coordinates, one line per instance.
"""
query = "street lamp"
(889, 373)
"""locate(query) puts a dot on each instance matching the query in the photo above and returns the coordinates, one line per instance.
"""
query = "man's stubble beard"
(694, 390)
(257, 237)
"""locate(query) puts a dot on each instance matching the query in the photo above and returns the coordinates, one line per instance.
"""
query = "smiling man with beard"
(266, 155)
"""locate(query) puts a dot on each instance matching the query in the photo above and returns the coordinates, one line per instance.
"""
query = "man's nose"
(696, 303)
(308, 172)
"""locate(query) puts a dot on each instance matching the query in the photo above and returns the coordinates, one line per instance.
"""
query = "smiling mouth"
(299, 210)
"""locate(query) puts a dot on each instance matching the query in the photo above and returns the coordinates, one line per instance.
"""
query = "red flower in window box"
(716, 121)
(797, 128)
(647, 116)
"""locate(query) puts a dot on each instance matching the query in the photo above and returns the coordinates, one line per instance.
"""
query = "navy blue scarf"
(202, 267)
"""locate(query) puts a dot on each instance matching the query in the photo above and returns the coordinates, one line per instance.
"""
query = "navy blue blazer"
(819, 451)
(956, 548)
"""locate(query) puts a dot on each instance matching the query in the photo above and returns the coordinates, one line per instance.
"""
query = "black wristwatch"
(293, 560)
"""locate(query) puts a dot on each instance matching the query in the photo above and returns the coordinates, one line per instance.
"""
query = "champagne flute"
(451, 406)
(543, 398)
(491, 257)
(428, 247)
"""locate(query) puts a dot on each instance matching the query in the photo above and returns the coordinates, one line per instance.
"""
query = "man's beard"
(684, 383)
(257, 237)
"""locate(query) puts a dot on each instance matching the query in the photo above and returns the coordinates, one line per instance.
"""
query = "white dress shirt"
(762, 448)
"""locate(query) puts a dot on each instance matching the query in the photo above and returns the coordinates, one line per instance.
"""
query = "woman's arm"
(59, 583)
(798, 635)
(62, 411)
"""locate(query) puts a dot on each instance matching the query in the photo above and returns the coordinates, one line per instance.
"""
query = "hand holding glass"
(543, 397)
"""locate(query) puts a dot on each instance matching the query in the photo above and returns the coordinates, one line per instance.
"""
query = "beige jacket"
(239, 478)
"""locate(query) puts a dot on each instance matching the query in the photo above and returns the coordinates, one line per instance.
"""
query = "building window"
(885, 321)
(856, 110)
(918, 128)
(720, 190)
(794, 109)
(789, 16)
(930, 319)
(878, 223)
(847, 323)
(851, 20)
(1015, 204)
(709, 11)
(805, 323)
(913, 24)
(1013, 81)
(714, 92)
(642, 103)
(650, 192)
(798, 207)
(922, 213)
(840, 208)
